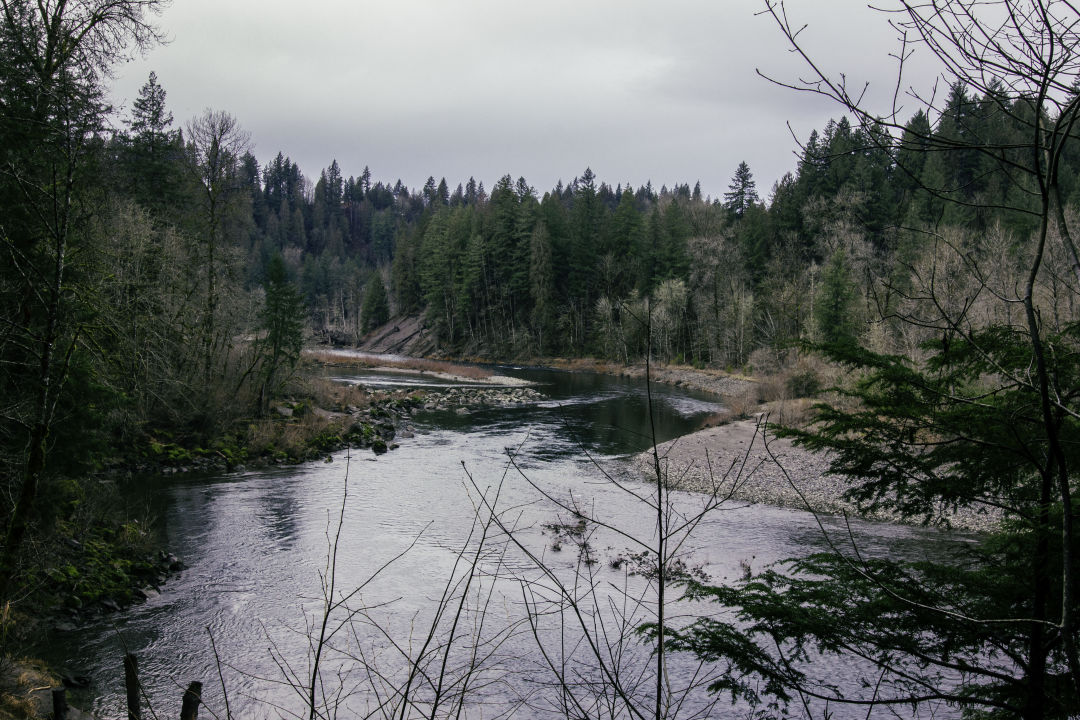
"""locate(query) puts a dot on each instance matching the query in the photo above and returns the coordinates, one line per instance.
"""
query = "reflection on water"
(257, 548)
(592, 412)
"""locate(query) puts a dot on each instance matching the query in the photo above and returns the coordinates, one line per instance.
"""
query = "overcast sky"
(636, 90)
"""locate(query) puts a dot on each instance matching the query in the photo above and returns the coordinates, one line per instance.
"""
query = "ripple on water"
(256, 545)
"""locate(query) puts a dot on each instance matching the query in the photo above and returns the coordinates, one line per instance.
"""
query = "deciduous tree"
(52, 56)
(216, 143)
(985, 417)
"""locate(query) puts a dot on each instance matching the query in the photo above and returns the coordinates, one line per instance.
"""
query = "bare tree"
(984, 416)
(215, 143)
(54, 54)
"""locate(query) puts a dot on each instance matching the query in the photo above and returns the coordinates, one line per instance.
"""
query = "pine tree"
(835, 307)
(376, 308)
(742, 192)
(542, 287)
(982, 416)
(282, 321)
(153, 149)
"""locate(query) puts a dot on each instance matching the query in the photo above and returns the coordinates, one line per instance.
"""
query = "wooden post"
(59, 703)
(131, 683)
(192, 698)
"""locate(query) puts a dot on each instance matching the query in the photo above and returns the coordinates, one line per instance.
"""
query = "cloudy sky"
(637, 90)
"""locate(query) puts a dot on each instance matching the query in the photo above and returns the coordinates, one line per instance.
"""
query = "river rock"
(75, 681)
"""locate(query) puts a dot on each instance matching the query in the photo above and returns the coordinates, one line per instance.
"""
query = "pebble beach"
(745, 461)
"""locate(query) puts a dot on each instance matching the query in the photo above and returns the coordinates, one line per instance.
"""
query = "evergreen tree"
(982, 416)
(624, 243)
(835, 308)
(153, 149)
(376, 308)
(431, 192)
(542, 287)
(742, 192)
(282, 321)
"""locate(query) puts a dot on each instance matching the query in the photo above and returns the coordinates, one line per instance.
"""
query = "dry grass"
(740, 405)
(270, 436)
(794, 412)
(787, 392)
(330, 357)
(326, 393)
(19, 679)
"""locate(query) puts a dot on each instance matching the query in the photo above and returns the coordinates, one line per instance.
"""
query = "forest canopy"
(159, 282)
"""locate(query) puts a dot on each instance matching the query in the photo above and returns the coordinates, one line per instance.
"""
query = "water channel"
(256, 546)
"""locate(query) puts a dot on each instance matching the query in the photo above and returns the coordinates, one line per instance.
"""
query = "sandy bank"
(738, 458)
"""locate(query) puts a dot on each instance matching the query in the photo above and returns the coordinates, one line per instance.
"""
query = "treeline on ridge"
(585, 268)
(190, 247)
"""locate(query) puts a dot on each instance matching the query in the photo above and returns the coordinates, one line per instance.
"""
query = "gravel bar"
(757, 467)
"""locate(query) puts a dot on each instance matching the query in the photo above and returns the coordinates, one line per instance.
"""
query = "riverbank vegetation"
(158, 281)
(969, 403)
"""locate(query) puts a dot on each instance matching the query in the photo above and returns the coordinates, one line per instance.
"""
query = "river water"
(258, 548)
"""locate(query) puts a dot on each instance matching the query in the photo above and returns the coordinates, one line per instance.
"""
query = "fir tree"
(376, 308)
(835, 307)
(282, 320)
(742, 192)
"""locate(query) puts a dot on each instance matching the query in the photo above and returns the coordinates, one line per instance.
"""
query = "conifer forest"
(914, 279)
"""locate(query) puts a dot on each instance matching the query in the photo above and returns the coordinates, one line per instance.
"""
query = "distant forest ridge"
(511, 272)
(588, 269)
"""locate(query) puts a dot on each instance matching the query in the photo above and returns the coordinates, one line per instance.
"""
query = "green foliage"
(108, 561)
(376, 308)
(915, 623)
(803, 383)
(835, 311)
(742, 192)
(282, 320)
(918, 440)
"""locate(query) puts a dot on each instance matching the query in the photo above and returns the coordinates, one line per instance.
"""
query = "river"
(257, 545)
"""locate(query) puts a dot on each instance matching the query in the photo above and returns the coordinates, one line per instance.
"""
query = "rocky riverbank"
(747, 462)
(466, 399)
(303, 430)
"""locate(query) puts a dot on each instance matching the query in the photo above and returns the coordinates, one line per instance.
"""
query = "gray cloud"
(637, 90)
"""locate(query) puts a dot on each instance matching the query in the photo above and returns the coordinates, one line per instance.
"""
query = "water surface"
(257, 545)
